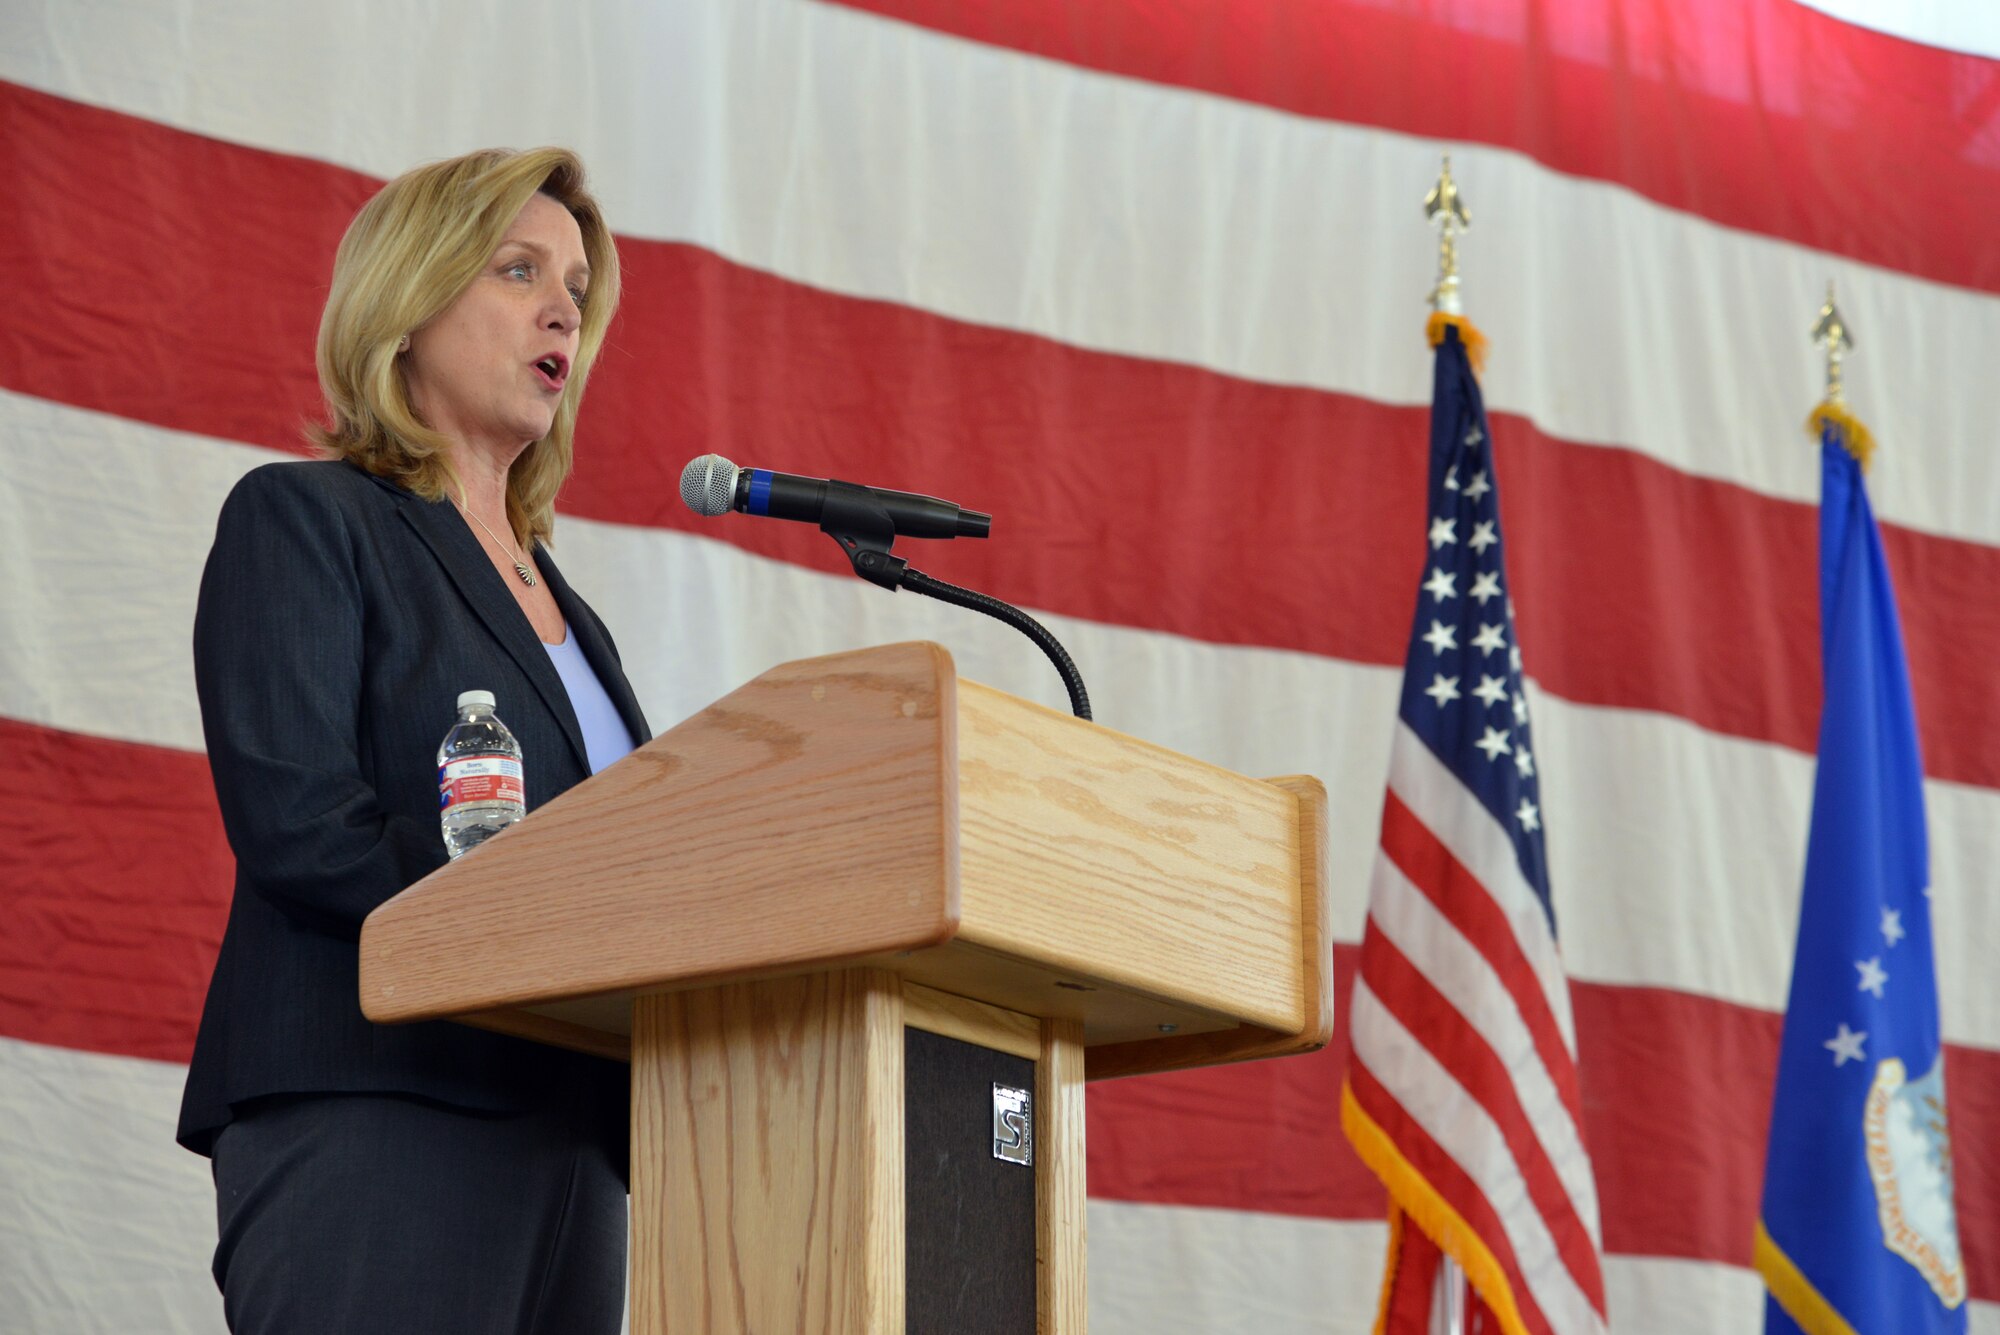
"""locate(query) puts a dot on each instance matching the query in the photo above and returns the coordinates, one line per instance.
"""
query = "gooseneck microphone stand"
(855, 518)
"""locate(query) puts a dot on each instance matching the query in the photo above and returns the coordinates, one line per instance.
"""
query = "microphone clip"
(855, 517)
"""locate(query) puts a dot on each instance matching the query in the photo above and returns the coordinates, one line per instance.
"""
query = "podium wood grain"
(1062, 1294)
(804, 820)
(870, 809)
(1250, 1042)
(767, 1158)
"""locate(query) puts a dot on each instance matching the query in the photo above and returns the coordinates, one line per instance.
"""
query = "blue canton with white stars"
(1462, 687)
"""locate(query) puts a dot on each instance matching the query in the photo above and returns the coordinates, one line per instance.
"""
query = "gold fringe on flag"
(1394, 1263)
(1854, 436)
(1468, 334)
(1413, 1195)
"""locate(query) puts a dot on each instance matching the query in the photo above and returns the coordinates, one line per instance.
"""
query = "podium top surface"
(872, 809)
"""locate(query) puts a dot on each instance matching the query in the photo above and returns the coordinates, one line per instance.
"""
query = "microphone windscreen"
(708, 485)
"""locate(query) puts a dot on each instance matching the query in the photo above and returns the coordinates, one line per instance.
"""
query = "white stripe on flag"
(1182, 1270)
(106, 1225)
(1456, 968)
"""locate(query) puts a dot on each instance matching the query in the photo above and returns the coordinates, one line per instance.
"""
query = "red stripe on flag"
(1410, 1286)
(1468, 906)
(1677, 1110)
(114, 885)
(1449, 1180)
(1758, 114)
(1259, 1136)
(1705, 611)
(1455, 1042)
(182, 287)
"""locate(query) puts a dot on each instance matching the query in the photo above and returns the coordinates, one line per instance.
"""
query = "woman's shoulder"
(314, 485)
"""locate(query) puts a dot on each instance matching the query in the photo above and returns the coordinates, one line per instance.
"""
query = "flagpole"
(1445, 210)
(1448, 1299)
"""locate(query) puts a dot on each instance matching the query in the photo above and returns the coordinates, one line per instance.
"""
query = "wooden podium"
(851, 875)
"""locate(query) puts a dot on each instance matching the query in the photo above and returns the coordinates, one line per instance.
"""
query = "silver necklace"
(520, 566)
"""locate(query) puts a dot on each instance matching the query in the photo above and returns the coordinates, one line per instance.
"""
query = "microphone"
(711, 485)
(865, 522)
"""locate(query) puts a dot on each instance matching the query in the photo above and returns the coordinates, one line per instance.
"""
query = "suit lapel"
(596, 650)
(450, 539)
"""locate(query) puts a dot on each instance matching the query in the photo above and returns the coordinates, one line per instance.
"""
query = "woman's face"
(489, 371)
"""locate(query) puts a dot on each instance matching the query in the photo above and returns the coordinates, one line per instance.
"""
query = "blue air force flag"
(1857, 1231)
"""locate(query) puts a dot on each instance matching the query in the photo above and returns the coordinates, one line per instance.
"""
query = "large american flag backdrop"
(1145, 281)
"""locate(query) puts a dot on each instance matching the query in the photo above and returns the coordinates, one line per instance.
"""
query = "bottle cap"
(475, 698)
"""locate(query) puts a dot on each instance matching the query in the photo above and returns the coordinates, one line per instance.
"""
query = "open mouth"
(553, 370)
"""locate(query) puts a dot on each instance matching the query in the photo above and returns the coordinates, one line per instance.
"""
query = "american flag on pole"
(1462, 1090)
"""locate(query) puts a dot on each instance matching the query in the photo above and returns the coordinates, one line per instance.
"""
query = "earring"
(403, 344)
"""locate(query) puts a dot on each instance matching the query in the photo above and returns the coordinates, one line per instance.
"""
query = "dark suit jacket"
(340, 617)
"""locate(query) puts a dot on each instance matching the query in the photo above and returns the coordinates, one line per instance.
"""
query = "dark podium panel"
(969, 1224)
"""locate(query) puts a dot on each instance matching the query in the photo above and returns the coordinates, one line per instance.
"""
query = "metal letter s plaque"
(1013, 1124)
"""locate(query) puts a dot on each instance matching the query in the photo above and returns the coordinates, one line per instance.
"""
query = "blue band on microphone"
(760, 492)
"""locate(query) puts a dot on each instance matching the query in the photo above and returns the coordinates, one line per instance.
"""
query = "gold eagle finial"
(1446, 210)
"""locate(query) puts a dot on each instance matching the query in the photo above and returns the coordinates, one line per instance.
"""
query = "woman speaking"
(429, 1177)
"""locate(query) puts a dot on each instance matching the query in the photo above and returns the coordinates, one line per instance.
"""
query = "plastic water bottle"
(480, 786)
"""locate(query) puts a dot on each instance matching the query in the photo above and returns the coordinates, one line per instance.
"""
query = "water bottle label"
(480, 779)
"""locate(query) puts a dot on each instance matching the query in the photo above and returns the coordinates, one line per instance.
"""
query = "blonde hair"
(406, 257)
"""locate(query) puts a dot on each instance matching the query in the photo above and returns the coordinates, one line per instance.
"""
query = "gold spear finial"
(1446, 210)
(1831, 332)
